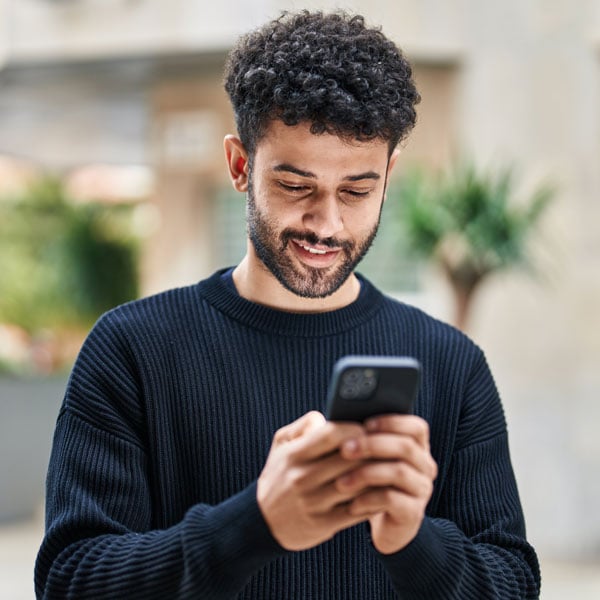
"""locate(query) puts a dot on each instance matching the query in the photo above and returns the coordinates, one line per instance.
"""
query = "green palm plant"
(467, 221)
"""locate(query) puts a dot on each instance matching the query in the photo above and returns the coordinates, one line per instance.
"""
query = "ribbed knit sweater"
(166, 424)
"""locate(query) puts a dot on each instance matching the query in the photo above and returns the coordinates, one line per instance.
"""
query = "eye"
(289, 187)
(357, 193)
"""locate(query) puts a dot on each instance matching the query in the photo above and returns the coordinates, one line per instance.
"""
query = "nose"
(323, 217)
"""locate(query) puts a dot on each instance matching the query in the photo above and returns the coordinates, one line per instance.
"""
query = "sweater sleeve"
(473, 544)
(100, 541)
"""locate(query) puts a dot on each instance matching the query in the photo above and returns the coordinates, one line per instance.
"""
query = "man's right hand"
(296, 490)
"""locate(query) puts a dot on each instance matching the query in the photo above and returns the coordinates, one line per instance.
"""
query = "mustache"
(313, 239)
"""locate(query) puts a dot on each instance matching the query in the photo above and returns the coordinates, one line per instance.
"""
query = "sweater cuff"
(425, 559)
(239, 538)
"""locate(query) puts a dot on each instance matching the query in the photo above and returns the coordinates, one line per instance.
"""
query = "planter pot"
(28, 412)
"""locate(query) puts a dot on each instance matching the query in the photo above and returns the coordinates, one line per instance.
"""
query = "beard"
(270, 245)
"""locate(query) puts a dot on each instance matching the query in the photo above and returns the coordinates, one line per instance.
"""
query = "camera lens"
(358, 384)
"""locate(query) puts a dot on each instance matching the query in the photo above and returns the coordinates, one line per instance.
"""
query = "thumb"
(307, 422)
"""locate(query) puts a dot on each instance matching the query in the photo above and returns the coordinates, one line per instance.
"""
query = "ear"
(237, 162)
(390, 168)
(392, 162)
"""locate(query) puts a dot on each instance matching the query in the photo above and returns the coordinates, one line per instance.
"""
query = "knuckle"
(296, 479)
(389, 496)
(406, 448)
(429, 489)
(425, 489)
(421, 429)
(280, 435)
(358, 478)
(402, 470)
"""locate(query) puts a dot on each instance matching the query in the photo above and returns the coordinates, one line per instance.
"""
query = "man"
(191, 457)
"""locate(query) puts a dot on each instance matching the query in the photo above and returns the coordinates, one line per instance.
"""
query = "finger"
(401, 507)
(344, 515)
(307, 422)
(318, 477)
(398, 475)
(326, 470)
(324, 499)
(320, 441)
(397, 447)
(410, 425)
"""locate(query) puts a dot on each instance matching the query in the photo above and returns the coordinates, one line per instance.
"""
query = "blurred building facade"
(139, 82)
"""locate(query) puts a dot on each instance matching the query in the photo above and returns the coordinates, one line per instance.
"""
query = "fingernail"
(351, 446)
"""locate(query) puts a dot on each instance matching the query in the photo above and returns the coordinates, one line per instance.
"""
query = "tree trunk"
(463, 303)
(465, 279)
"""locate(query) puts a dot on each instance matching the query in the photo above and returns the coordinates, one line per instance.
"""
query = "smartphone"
(365, 386)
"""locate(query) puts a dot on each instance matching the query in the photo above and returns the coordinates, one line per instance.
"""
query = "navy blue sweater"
(166, 424)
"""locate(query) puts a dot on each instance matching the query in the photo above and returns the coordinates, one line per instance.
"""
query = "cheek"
(361, 219)
(267, 203)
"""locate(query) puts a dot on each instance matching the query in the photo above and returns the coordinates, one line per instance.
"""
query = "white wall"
(75, 29)
(531, 95)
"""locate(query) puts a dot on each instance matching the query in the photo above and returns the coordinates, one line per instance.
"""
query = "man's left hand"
(396, 481)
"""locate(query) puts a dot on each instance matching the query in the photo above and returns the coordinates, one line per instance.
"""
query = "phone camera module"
(358, 384)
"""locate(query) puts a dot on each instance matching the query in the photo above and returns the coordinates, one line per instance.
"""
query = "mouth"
(312, 250)
(315, 255)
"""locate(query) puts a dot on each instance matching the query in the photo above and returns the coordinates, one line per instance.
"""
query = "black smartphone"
(365, 386)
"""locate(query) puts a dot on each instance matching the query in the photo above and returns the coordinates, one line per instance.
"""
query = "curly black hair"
(330, 70)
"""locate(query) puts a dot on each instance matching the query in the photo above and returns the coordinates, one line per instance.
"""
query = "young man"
(191, 457)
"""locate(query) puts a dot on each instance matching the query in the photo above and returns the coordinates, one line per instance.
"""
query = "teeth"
(314, 250)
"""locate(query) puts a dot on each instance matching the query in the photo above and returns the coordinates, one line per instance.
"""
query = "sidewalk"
(19, 544)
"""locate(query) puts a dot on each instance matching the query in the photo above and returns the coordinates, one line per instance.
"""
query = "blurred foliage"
(389, 264)
(62, 263)
(470, 223)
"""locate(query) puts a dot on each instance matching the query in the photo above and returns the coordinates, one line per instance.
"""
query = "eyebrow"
(291, 169)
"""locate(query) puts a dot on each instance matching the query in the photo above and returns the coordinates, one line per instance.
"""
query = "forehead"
(317, 153)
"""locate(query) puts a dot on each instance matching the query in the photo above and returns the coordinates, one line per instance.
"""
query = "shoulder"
(155, 314)
(130, 334)
(423, 329)
(456, 379)
(111, 371)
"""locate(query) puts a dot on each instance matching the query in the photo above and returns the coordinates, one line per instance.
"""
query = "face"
(308, 266)
(314, 203)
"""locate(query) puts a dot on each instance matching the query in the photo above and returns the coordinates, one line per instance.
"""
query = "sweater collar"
(215, 291)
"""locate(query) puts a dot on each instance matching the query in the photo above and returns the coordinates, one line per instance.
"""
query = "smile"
(318, 250)
(312, 256)
(313, 250)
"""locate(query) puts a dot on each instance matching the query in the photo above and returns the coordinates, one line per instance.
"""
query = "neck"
(256, 283)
